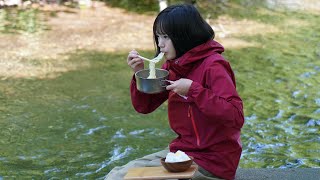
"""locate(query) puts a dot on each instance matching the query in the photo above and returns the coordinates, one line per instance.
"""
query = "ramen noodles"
(152, 65)
(152, 70)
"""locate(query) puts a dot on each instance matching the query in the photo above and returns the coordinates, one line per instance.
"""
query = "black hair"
(184, 26)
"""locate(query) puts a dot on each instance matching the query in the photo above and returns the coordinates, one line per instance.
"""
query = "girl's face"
(166, 46)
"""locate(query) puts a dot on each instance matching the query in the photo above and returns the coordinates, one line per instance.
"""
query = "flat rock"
(278, 174)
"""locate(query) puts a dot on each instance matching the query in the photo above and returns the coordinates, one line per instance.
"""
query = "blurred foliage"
(144, 6)
(18, 20)
(135, 6)
(15, 20)
(209, 8)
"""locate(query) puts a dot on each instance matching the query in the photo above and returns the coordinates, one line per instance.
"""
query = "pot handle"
(164, 83)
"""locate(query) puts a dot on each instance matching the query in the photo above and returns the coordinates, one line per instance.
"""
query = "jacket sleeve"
(146, 103)
(218, 99)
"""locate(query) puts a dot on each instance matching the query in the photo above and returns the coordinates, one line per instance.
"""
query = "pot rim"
(163, 76)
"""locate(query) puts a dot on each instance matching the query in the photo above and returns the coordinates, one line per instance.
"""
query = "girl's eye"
(164, 36)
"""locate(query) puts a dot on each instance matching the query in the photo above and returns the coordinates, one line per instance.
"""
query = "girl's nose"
(160, 43)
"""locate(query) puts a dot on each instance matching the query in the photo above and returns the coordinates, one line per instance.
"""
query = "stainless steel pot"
(151, 86)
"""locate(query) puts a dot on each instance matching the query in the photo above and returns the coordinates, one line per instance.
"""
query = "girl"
(204, 108)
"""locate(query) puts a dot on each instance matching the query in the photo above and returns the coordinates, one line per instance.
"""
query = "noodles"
(152, 65)
(152, 72)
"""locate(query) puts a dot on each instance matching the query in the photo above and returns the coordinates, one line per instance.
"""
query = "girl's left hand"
(180, 86)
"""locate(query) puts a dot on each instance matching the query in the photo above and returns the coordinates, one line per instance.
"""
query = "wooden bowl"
(177, 166)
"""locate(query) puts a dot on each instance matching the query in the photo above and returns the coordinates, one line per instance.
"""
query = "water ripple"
(102, 118)
(307, 74)
(291, 118)
(313, 122)
(78, 126)
(29, 157)
(92, 130)
(150, 131)
(84, 174)
(258, 147)
(86, 106)
(278, 116)
(52, 170)
(296, 93)
(317, 111)
(252, 117)
(295, 164)
(119, 134)
(3, 159)
(136, 132)
(116, 155)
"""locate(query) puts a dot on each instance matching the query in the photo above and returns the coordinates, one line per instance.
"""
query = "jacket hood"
(181, 66)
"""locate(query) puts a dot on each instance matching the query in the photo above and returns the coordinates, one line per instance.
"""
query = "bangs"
(161, 26)
(160, 29)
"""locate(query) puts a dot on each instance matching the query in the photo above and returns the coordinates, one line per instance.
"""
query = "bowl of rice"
(177, 162)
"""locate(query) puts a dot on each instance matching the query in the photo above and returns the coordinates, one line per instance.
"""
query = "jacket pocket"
(190, 115)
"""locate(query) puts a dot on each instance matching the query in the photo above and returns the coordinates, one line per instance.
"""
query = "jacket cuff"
(194, 89)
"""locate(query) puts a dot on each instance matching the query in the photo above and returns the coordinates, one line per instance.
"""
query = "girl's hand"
(180, 86)
(134, 61)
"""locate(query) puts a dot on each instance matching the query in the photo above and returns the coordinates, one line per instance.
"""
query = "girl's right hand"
(134, 61)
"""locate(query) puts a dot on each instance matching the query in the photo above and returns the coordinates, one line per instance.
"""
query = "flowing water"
(81, 124)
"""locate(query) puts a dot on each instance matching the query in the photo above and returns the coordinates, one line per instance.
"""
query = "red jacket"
(208, 122)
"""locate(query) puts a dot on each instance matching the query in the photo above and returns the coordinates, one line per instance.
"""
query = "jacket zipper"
(190, 115)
